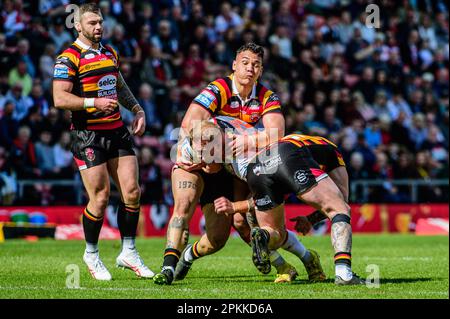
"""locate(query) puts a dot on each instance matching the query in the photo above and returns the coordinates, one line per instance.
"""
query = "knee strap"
(341, 218)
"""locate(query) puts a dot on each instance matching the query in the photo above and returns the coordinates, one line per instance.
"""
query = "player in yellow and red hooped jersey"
(87, 81)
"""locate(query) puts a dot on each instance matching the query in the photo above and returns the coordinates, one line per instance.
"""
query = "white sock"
(344, 271)
(128, 243)
(91, 248)
(294, 246)
(188, 255)
(276, 259)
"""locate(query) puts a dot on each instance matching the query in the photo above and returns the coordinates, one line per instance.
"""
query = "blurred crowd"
(381, 93)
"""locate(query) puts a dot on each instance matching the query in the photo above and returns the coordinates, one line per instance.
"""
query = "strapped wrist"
(89, 102)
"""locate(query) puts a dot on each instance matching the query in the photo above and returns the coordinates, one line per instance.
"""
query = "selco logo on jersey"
(107, 82)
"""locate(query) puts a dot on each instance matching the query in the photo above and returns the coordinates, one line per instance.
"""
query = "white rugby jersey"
(236, 166)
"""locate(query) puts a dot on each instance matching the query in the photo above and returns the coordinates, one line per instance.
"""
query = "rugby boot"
(183, 266)
(130, 259)
(165, 277)
(286, 273)
(314, 268)
(260, 246)
(355, 280)
(96, 267)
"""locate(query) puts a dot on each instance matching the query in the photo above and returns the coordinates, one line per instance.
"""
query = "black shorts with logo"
(215, 186)
(327, 156)
(288, 169)
(92, 148)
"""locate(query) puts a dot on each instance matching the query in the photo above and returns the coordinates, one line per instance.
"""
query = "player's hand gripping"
(105, 105)
(302, 224)
(223, 205)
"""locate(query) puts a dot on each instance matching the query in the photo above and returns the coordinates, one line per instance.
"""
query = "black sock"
(127, 220)
(171, 257)
(91, 226)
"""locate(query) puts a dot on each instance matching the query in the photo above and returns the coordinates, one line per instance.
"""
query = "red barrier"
(374, 218)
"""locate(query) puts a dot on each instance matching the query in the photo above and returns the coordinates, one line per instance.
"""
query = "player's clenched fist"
(105, 105)
(223, 206)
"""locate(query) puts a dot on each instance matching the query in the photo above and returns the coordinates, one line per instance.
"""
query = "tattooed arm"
(128, 101)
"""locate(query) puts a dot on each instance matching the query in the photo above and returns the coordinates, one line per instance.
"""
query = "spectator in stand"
(46, 63)
(45, 156)
(14, 18)
(63, 157)
(9, 126)
(19, 74)
(157, 72)
(59, 35)
(22, 103)
(130, 52)
(23, 47)
(164, 41)
(150, 177)
(152, 114)
(227, 19)
(23, 155)
(8, 182)
(109, 21)
(53, 7)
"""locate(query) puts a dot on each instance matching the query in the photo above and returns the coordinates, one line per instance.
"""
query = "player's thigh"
(187, 188)
(124, 172)
(96, 181)
(240, 189)
(325, 196)
(339, 176)
(217, 226)
(273, 218)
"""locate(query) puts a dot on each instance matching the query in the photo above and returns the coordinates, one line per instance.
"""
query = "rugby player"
(87, 81)
(290, 168)
(330, 160)
(239, 95)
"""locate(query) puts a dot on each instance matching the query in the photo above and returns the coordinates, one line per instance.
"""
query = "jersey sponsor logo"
(61, 71)
(91, 66)
(254, 105)
(254, 117)
(110, 94)
(263, 201)
(213, 88)
(90, 155)
(205, 98)
(272, 163)
(234, 104)
(89, 56)
(301, 177)
(63, 59)
(108, 82)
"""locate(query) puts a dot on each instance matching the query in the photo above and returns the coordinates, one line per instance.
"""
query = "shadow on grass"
(261, 278)
(406, 280)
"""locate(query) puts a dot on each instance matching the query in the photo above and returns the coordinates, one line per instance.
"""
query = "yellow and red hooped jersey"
(220, 97)
(94, 74)
(327, 157)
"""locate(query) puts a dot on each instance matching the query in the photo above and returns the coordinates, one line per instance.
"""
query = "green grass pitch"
(409, 267)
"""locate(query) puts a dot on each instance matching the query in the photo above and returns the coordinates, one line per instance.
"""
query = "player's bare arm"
(64, 99)
(128, 101)
(194, 113)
